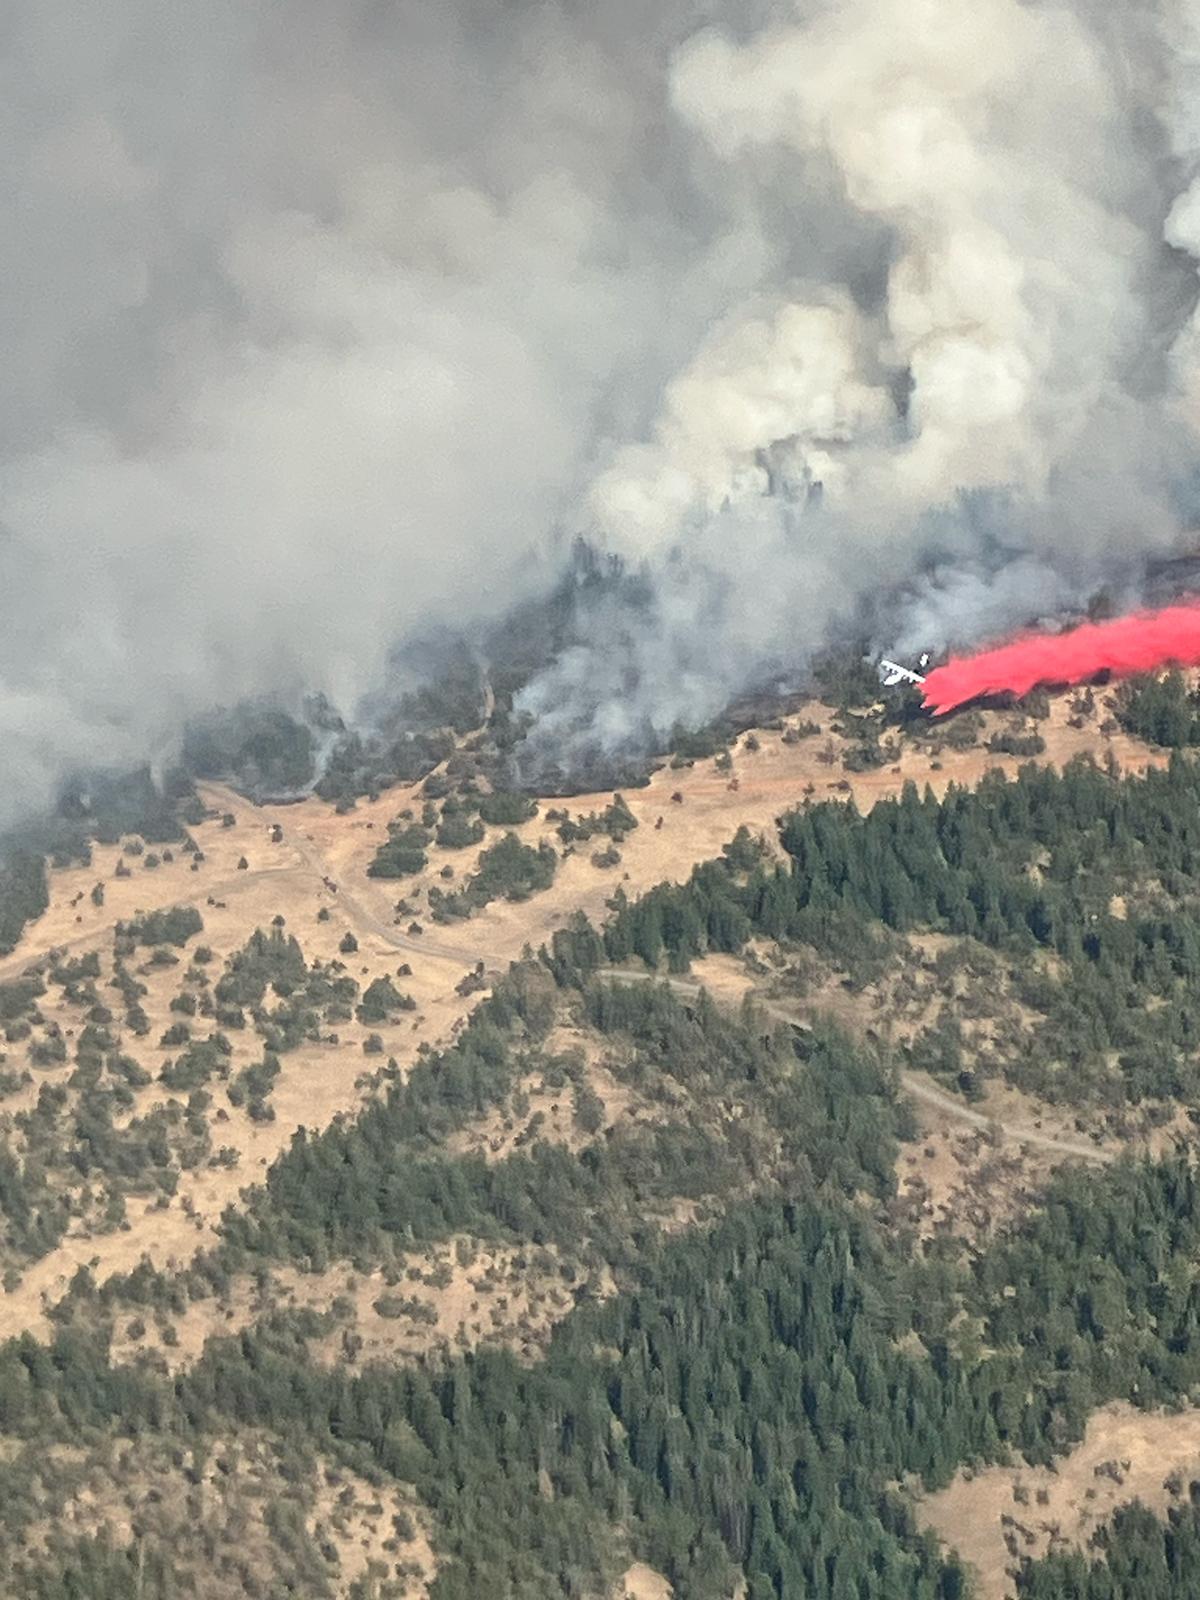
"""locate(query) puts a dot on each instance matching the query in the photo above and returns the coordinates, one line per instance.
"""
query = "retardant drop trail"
(1126, 645)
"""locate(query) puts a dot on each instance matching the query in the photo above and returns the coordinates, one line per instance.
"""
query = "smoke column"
(971, 337)
(1127, 645)
(322, 322)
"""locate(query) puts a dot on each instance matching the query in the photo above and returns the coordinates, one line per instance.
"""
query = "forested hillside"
(613, 1268)
(1102, 876)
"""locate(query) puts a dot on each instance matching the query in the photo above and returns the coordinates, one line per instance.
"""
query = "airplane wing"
(898, 674)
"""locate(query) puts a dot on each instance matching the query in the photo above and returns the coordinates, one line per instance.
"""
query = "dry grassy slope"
(995, 1517)
(472, 1292)
(768, 781)
(291, 879)
(473, 1295)
(210, 1511)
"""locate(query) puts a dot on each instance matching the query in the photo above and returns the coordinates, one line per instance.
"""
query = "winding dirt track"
(368, 922)
(311, 871)
(304, 865)
(314, 869)
(915, 1085)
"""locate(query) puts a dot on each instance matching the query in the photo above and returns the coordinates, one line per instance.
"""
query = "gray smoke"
(1002, 415)
(323, 322)
(314, 319)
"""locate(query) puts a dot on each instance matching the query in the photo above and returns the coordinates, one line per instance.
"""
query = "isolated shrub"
(174, 926)
(506, 810)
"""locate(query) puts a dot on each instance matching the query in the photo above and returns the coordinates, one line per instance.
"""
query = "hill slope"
(508, 1162)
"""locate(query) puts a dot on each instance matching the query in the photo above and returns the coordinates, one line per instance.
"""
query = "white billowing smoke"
(986, 140)
(323, 322)
(1020, 161)
(778, 372)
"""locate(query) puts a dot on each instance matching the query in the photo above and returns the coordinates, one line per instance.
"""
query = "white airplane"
(892, 673)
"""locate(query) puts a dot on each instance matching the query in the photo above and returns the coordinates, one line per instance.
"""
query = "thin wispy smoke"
(323, 322)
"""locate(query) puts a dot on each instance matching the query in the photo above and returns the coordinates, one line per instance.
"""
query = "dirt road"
(913, 1083)
(314, 871)
(368, 922)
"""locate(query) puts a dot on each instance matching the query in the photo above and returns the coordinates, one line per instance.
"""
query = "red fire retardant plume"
(1137, 643)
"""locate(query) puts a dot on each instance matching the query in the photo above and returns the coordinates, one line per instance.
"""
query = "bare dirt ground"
(468, 1295)
(976, 1167)
(712, 806)
(550, 1117)
(1008, 1116)
(317, 1081)
(641, 1582)
(1002, 1114)
(997, 1516)
(362, 1528)
(317, 843)
(962, 1182)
